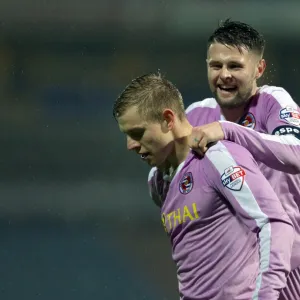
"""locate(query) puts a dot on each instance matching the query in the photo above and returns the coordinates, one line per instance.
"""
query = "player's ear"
(168, 117)
(261, 66)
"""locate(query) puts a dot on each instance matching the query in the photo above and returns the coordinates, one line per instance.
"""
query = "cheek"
(243, 78)
(161, 141)
(148, 141)
(152, 140)
(249, 75)
(212, 77)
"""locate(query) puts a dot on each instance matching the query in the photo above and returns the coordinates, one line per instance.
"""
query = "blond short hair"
(151, 94)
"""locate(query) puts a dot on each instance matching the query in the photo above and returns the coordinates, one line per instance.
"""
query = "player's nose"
(132, 144)
(225, 73)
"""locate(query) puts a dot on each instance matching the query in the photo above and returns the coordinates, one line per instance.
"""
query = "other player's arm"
(279, 150)
(259, 208)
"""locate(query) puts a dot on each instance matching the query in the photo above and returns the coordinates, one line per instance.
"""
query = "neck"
(233, 114)
(181, 148)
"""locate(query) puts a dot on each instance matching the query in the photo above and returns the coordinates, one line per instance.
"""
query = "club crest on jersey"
(186, 183)
(233, 178)
(290, 115)
(248, 121)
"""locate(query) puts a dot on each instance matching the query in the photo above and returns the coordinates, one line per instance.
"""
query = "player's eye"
(137, 134)
(235, 66)
(215, 66)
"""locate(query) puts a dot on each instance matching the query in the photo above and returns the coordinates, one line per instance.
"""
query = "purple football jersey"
(274, 143)
(230, 236)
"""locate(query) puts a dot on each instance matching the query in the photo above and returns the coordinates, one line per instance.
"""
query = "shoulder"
(278, 96)
(206, 103)
(224, 153)
(202, 112)
(226, 162)
(154, 181)
(225, 147)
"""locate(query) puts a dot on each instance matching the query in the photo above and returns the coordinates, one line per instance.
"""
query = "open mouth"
(227, 88)
(144, 156)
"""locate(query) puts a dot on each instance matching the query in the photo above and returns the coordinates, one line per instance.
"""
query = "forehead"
(225, 53)
(131, 119)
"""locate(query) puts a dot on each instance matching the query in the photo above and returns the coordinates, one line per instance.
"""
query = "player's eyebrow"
(134, 130)
(232, 61)
(214, 62)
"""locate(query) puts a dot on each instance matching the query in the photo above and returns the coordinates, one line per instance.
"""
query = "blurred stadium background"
(76, 221)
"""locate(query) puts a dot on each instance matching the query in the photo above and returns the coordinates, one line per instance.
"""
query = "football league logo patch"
(233, 178)
(290, 115)
(186, 183)
(248, 121)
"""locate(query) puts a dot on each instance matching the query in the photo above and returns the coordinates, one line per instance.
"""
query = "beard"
(237, 101)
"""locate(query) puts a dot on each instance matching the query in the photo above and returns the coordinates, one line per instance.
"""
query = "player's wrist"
(225, 126)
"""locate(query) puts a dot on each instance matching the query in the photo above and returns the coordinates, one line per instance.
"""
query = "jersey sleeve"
(281, 110)
(279, 149)
(235, 175)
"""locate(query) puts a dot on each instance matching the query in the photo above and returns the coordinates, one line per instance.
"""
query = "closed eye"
(235, 66)
(215, 66)
(136, 134)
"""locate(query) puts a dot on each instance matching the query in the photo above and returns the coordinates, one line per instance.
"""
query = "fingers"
(202, 146)
(201, 137)
(194, 142)
(198, 145)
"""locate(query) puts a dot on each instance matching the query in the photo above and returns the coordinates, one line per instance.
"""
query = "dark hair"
(151, 94)
(239, 35)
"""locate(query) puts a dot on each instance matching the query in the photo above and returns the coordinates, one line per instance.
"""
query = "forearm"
(274, 266)
(280, 152)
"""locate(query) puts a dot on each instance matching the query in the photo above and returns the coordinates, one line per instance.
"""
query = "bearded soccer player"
(234, 63)
(231, 238)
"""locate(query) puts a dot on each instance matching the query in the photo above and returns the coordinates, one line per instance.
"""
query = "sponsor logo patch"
(290, 115)
(186, 183)
(286, 130)
(233, 178)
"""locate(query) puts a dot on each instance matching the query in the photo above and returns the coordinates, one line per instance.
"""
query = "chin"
(152, 164)
(230, 102)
